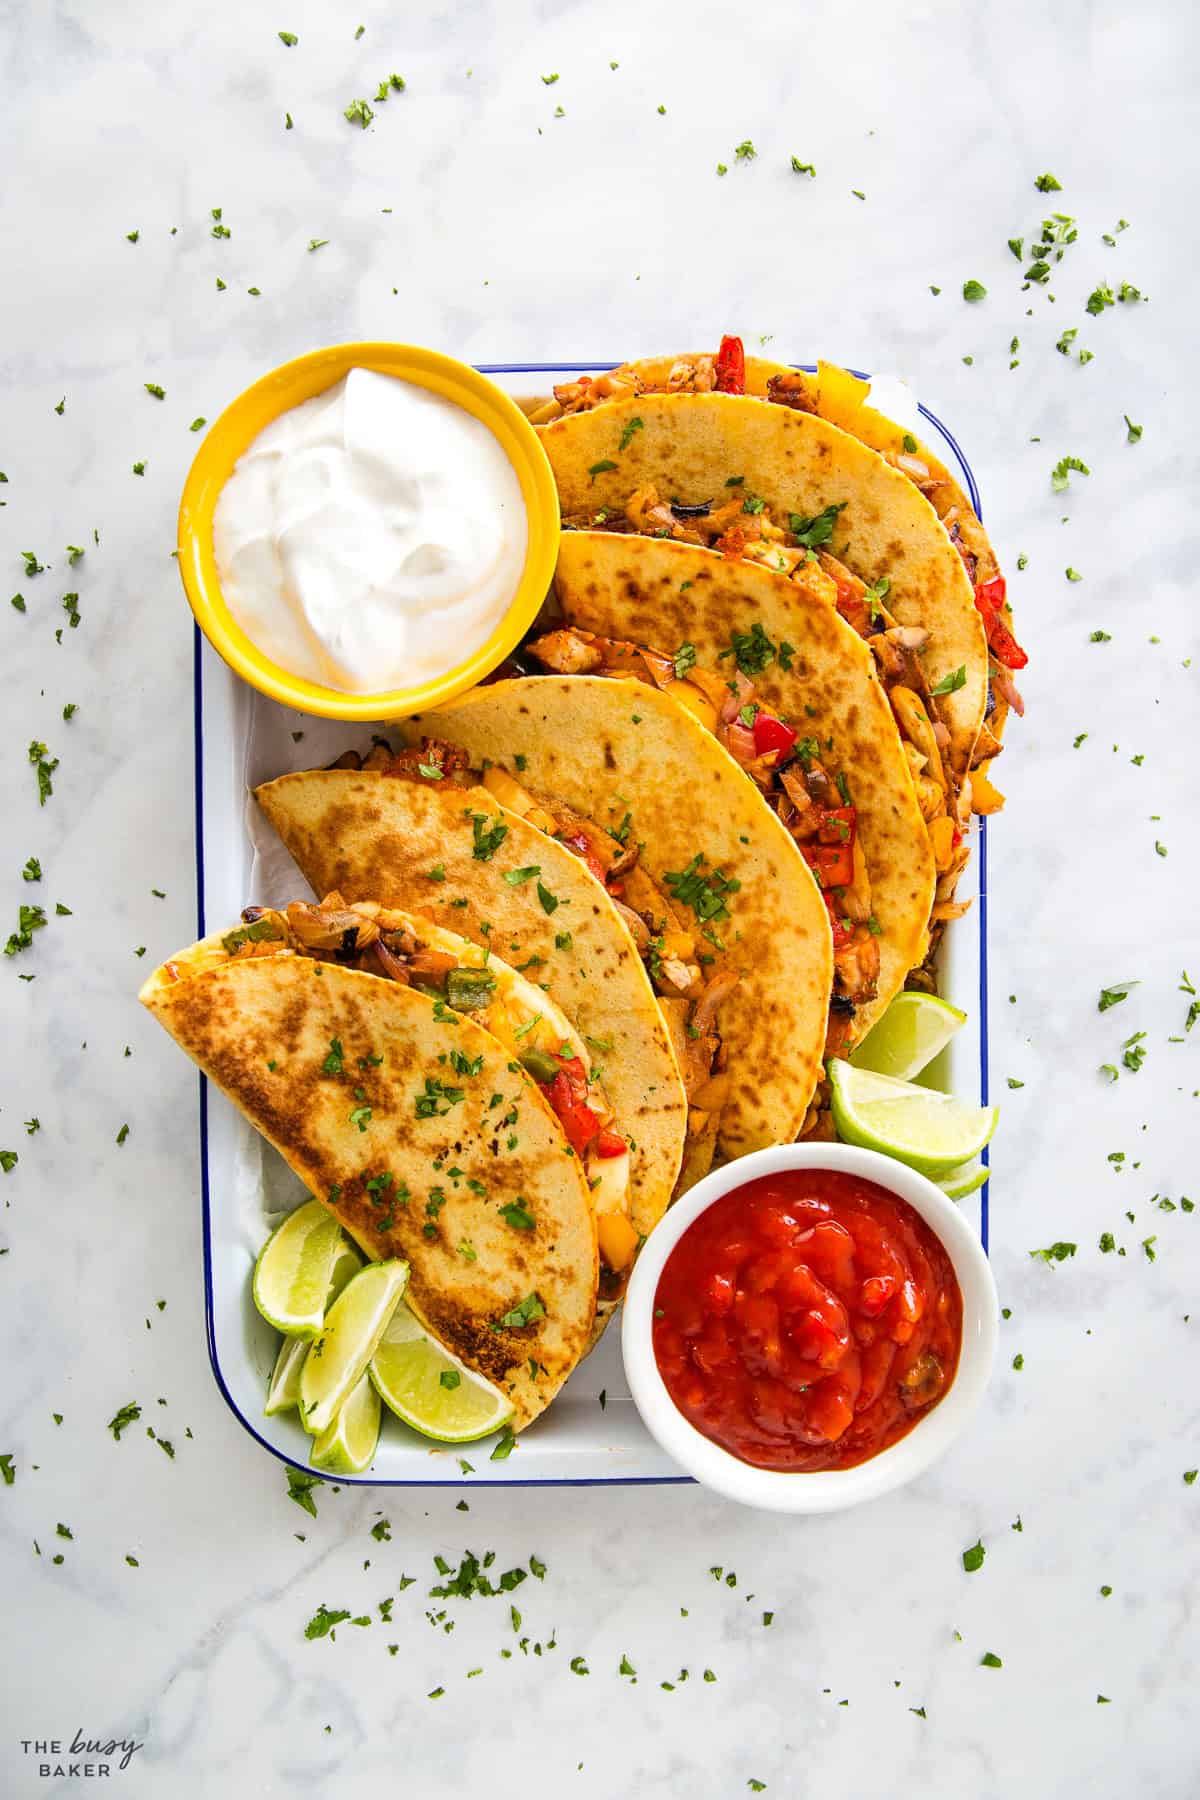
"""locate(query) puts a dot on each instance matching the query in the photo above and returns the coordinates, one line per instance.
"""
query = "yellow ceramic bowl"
(286, 387)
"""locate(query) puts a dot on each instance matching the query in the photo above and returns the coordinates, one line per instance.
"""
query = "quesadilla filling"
(742, 528)
(676, 933)
(459, 978)
(836, 395)
(796, 775)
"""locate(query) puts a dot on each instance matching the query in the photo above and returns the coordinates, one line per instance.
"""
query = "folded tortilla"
(808, 667)
(637, 765)
(350, 1077)
(834, 393)
(444, 851)
(697, 448)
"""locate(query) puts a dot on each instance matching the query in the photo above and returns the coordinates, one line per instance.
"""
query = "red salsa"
(807, 1321)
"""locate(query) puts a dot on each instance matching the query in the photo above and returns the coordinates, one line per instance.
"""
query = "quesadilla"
(422, 1132)
(448, 852)
(723, 907)
(792, 694)
(833, 670)
(677, 464)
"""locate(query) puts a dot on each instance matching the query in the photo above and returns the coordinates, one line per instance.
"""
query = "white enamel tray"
(592, 1433)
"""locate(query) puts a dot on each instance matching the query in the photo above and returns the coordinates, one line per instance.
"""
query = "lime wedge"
(353, 1326)
(430, 1389)
(963, 1181)
(908, 1037)
(349, 1444)
(292, 1274)
(929, 1131)
(283, 1390)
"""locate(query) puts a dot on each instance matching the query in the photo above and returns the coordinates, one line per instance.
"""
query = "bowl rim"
(826, 1490)
(287, 386)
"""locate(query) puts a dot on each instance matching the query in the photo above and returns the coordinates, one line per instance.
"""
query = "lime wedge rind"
(408, 1369)
(292, 1274)
(338, 1357)
(967, 1179)
(283, 1389)
(349, 1444)
(914, 1030)
(930, 1131)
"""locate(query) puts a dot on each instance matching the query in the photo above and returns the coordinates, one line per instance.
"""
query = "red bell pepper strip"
(770, 734)
(579, 846)
(843, 930)
(610, 1143)
(831, 852)
(577, 1119)
(989, 599)
(731, 367)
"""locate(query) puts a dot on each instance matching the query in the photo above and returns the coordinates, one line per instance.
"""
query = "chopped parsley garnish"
(300, 1488)
(1060, 475)
(972, 1559)
(154, 390)
(517, 1216)
(429, 1104)
(1053, 1253)
(803, 168)
(317, 244)
(30, 919)
(811, 533)
(289, 38)
(950, 684)
(602, 467)
(973, 291)
(745, 151)
(487, 838)
(1113, 996)
(549, 901)
(524, 1313)
(40, 757)
(126, 1416)
(1132, 432)
(323, 1621)
(1047, 184)
(752, 650)
(32, 870)
(705, 894)
(518, 877)
(359, 113)
(989, 1660)
(629, 430)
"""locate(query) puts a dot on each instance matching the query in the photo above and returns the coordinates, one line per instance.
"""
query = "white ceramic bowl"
(826, 1490)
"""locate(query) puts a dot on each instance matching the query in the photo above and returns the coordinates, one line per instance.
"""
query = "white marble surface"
(609, 233)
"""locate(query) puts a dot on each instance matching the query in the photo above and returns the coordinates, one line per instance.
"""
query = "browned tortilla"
(372, 836)
(662, 594)
(608, 749)
(262, 1030)
(689, 446)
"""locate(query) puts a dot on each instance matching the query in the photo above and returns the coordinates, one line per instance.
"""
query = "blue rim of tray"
(367, 1480)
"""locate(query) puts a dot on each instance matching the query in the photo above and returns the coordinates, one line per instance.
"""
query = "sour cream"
(372, 537)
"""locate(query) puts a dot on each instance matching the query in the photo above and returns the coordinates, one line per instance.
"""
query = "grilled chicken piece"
(432, 753)
(567, 652)
(791, 390)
